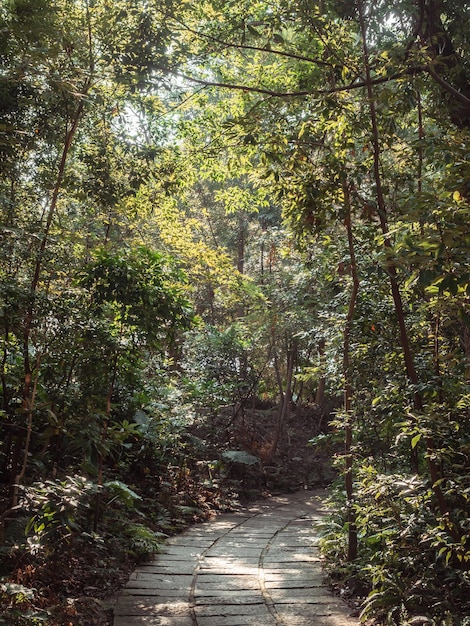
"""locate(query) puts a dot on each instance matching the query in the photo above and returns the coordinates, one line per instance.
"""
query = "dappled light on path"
(260, 565)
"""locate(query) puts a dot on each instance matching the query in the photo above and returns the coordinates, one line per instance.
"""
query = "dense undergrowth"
(412, 565)
(72, 544)
(83, 540)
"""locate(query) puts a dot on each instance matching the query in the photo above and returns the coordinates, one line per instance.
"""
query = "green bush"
(408, 565)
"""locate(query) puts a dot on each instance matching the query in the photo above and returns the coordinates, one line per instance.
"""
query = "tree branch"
(242, 46)
(458, 95)
(303, 93)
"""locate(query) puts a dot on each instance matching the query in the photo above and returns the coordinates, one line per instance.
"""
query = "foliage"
(143, 542)
(145, 290)
(407, 567)
(182, 186)
(57, 507)
(216, 365)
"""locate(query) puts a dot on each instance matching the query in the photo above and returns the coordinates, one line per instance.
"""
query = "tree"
(58, 77)
(314, 108)
(306, 166)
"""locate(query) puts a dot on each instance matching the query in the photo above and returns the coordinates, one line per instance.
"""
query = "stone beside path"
(260, 565)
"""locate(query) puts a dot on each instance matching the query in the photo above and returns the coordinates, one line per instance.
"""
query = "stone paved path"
(259, 566)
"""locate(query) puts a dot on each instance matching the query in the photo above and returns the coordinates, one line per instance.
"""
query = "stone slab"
(239, 553)
(148, 581)
(313, 617)
(293, 584)
(229, 600)
(236, 620)
(147, 605)
(157, 592)
(259, 566)
(226, 594)
(153, 620)
(229, 583)
(232, 609)
(177, 568)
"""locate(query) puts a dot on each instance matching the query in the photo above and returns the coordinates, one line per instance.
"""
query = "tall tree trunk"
(241, 235)
(28, 368)
(286, 398)
(320, 394)
(348, 386)
(392, 273)
(104, 438)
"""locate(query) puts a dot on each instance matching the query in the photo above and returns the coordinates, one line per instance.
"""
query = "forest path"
(259, 565)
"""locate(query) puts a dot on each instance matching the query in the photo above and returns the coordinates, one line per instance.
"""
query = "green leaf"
(122, 492)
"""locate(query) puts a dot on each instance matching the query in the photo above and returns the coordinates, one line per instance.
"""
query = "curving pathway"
(260, 565)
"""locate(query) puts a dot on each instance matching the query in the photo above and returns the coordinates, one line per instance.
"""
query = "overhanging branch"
(296, 94)
(244, 46)
(458, 95)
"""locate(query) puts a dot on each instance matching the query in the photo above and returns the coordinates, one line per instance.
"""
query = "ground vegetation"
(234, 240)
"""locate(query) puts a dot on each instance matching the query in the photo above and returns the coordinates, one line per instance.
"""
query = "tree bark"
(348, 385)
(286, 398)
(320, 394)
(392, 273)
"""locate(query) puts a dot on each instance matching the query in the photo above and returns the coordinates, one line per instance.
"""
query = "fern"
(143, 542)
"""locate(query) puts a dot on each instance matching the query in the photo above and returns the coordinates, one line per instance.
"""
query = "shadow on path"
(260, 565)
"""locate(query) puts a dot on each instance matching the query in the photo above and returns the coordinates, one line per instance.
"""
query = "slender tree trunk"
(420, 152)
(320, 394)
(466, 349)
(3, 377)
(391, 268)
(348, 386)
(104, 438)
(261, 261)
(29, 428)
(241, 244)
(437, 358)
(27, 391)
(286, 397)
(300, 393)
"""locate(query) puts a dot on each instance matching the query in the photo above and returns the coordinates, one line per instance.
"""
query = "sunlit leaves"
(143, 287)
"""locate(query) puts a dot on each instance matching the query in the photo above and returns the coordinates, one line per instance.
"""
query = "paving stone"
(157, 592)
(292, 583)
(255, 533)
(236, 620)
(232, 609)
(226, 594)
(135, 605)
(207, 577)
(239, 552)
(287, 595)
(153, 620)
(149, 581)
(157, 573)
(230, 570)
(227, 581)
(181, 553)
(258, 566)
(222, 563)
(313, 617)
(226, 600)
(287, 570)
(280, 559)
(284, 562)
(172, 568)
